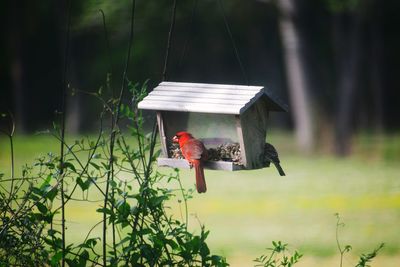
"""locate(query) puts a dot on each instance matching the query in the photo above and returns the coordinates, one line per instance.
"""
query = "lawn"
(246, 210)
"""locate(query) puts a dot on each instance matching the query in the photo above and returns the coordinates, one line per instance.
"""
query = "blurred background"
(335, 62)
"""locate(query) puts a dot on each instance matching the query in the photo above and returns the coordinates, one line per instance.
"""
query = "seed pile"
(225, 152)
(175, 151)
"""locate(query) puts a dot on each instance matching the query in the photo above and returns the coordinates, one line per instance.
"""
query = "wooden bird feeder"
(217, 114)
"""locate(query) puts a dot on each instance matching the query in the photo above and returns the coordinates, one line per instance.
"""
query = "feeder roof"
(208, 98)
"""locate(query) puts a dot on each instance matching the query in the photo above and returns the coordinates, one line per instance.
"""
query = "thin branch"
(114, 130)
(63, 119)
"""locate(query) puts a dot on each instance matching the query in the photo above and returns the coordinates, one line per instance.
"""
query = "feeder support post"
(163, 138)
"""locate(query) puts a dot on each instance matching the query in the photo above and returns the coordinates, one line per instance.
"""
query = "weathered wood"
(254, 128)
(207, 98)
(163, 139)
(208, 90)
(239, 131)
(212, 165)
(198, 99)
(190, 107)
(201, 94)
(209, 85)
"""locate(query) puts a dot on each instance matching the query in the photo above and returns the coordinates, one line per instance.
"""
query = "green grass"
(246, 210)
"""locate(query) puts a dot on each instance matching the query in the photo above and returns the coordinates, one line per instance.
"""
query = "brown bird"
(271, 155)
(195, 153)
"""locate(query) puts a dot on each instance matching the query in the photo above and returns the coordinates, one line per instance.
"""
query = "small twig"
(87, 236)
(185, 201)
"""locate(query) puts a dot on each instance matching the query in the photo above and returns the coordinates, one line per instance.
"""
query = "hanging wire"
(186, 44)
(228, 29)
(171, 30)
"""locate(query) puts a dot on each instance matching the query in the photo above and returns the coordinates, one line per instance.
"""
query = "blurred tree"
(347, 40)
(296, 68)
(375, 53)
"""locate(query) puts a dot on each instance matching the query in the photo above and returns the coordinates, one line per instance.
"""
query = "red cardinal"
(195, 152)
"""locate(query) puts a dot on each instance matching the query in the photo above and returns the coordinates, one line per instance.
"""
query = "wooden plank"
(190, 107)
(205, 100)
(211, 165)
(208, 85)
(227, 91)
(203, 95)
(163, 138)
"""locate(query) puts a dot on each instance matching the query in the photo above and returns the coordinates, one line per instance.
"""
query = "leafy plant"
(277, 256)
(346, 248)
(364, 258)
(142, 232)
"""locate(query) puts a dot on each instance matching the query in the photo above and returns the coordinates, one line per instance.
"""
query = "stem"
(185, 200)
(10, 136)
(112, 122)
(63, 110)
(337, 240)
(115, 120)
(12, 171)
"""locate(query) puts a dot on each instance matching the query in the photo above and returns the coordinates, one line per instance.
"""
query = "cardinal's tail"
(200, 180)
(279, 168)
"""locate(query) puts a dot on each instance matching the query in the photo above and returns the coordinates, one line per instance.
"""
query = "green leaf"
(52, 232)
(204, 250)
(56, 258)
(105, 210)
(97, 167)
(81, 183)
(172, 244)
(70, 166)
(83, 257)
(72, 262)
(126, 239)
(41, 207)
(52, 194)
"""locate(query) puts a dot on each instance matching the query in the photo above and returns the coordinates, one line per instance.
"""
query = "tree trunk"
(295, 73)
(348, 50)
(376, 37)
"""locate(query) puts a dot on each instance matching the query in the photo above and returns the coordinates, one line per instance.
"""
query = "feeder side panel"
(253, 122)
(161, 130)
(240, 134)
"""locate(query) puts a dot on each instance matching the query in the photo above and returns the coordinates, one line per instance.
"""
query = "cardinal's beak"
(175, 139)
